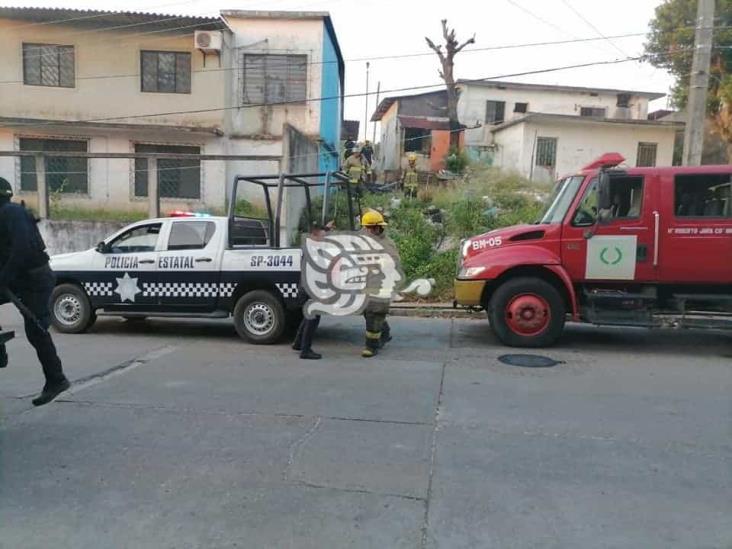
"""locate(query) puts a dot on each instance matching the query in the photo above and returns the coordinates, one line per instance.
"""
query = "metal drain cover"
(529, 361)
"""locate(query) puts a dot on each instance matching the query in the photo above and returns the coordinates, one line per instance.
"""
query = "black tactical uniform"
(24, 270)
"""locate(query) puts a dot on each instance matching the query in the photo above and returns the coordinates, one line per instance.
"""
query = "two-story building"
(115, 82)
(540, 131)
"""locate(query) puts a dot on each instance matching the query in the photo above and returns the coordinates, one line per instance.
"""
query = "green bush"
(456, 160)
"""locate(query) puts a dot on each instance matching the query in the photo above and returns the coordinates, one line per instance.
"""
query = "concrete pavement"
(176, 434)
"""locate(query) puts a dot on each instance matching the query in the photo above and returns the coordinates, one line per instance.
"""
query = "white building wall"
(111, 181)
(580, 143)
(472, 106)
(276, 36)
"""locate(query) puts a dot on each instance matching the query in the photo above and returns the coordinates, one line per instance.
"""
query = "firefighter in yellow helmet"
(378, 332)
(410, 177)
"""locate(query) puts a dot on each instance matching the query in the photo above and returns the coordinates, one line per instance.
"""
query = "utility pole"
(697, 104)
(378, 92)
(366, 113)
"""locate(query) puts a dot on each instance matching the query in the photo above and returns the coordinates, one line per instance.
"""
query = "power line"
(377, 58)
(330, 98)
(593, 27)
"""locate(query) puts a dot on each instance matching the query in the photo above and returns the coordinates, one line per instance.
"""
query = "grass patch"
(77, 213)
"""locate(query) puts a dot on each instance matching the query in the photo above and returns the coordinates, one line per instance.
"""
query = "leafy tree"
(670, 46)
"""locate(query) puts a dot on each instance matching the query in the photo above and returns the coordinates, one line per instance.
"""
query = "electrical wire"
(593, 27)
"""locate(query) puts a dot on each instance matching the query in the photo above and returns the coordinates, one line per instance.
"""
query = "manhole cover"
(529, 361)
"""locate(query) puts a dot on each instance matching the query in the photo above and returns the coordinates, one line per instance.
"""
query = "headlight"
(470, 272)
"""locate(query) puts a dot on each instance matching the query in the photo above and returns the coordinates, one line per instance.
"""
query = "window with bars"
(165, 72)
(520, 107)
(63, 174)
(48, 65)
(269, 79)
(495, 112)
(646, 155)
(177, 178)
(546, 152)
(595, 112)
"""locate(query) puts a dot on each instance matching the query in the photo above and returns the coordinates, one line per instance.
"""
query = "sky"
(374, 28)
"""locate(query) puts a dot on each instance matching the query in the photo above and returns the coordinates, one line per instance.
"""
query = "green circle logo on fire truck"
(617, 259)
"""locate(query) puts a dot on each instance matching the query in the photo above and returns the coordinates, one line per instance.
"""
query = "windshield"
(564, 192)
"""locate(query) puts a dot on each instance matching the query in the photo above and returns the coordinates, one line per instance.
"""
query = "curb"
(435, 312)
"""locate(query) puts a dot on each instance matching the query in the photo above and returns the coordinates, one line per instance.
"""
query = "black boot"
(51, 391)
(309, 354)
(297, 344)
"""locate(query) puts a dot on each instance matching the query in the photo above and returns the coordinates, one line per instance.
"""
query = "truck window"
(191, 235)
(627, 200)
(137, 240)
(564, 192)
(703, 195)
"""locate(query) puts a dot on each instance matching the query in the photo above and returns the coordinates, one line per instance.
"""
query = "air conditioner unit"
(208, 41)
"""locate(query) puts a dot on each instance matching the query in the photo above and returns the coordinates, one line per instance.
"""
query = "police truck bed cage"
(247, 231)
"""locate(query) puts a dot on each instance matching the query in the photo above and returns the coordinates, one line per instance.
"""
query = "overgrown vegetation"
(428, 229)
(65, 212)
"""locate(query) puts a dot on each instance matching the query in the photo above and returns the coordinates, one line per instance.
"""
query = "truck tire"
(71, 310)
(259, 317)
(527, 312)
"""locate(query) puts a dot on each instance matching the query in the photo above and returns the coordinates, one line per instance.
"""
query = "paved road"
(176, 434)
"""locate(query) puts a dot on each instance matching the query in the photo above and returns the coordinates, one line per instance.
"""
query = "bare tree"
(447, 60)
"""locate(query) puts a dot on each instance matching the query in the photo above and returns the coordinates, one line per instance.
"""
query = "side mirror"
(603, 192)
(102, 248)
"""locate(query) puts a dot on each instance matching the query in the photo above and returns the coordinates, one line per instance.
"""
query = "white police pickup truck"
(200, 266)
(182, 267)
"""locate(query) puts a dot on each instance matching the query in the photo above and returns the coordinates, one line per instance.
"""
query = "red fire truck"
(616, 246)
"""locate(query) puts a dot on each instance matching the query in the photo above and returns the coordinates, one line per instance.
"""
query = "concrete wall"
(473, 98)
(277, 36)
(578, 143)
(111, 181)
(106, 53)
(390, 143)
(331, 109)
(75, 236)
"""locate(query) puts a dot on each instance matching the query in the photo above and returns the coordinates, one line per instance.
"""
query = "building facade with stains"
(239, 84)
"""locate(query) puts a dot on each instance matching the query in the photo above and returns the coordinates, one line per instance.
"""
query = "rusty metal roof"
(119, 20)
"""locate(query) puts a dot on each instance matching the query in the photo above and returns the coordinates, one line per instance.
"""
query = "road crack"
(433, 454)
(297, 445)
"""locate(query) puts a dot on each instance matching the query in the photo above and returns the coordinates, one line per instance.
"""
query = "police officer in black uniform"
(24, 270)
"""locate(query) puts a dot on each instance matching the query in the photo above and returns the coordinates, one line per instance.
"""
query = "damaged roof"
(500, 84)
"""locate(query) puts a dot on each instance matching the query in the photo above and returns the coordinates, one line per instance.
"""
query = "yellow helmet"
(412, 157)
(372, 218)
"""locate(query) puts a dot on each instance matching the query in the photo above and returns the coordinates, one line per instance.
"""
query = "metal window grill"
(48, 65)
(63, 174)
(177, 178)
(495, 112)
(166, 72)
(546, 152)
(269, 78)
(646, 154)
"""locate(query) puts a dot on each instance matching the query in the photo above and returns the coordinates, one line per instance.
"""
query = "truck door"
(130, 266)
(621, 247)
(189, 267)
(696, 228)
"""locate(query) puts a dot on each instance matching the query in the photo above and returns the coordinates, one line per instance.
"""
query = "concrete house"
(245, 83)
(545, 131)
(413, 124)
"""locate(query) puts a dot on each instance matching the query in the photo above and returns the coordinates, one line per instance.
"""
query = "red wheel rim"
(528, 314)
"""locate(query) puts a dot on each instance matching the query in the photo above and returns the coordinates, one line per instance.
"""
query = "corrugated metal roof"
(424, 122)
(122, 20)
(387, 102)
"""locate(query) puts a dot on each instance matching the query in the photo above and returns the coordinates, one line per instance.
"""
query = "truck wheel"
(71, 311)
(259, 317)
(527, 312)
